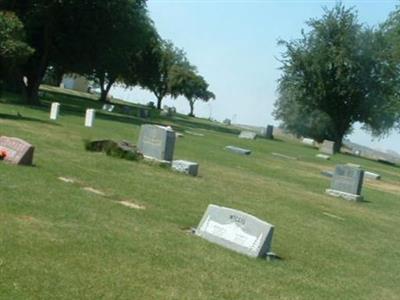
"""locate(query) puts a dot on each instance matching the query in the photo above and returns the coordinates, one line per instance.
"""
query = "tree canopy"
(338, 71)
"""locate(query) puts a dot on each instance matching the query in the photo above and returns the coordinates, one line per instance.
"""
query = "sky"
(234, 46)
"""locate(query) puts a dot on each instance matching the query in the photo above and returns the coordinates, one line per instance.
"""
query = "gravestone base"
(346, 196)
(155, 160)
(187, 167)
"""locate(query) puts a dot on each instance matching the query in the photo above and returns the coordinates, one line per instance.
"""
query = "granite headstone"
(17, 151)
(157, 142)
(236, 230)
(187, 167)
(327, 147)
(347, 183)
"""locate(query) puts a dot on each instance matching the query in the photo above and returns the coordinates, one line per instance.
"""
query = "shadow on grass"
(22, 118)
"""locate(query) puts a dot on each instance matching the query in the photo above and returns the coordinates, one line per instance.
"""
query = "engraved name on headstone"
(236, 230)
(157, 142)
(54, 111)
(327, 147)
(17, 151)
(347, 183)
(89, 118)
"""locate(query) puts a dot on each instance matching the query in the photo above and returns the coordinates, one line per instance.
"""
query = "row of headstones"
(250, 135)
(89, 116)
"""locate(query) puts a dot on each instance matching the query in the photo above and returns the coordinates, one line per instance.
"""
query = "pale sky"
(234, 46)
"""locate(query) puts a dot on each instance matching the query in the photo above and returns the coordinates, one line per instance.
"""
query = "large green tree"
(338, 69)
(157, 65)
(77, 36)
(186, 81)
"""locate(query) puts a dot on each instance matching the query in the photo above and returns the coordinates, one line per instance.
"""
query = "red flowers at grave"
(3, 154)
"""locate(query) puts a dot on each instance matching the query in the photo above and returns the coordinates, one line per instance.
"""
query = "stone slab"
(238, 150)
(236, 230)
(248, 135)
(347, 179)
(187, 167)
(323, 156)
(18, 151)
(157, 142)
(344, 195)
(371, 175)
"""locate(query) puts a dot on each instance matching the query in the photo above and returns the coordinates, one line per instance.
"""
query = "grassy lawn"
(59, 241)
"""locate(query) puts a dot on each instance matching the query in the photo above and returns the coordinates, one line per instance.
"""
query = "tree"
(73, 35)
(339, 69)
(13, 49)
(187, 82)
(157, 71)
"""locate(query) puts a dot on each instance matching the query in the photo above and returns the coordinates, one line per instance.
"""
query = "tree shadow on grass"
(19, 117)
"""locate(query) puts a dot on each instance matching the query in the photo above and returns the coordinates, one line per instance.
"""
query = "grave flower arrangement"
(3, 154)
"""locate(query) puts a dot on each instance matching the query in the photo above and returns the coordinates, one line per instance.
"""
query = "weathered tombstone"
(323, 156)
(238, 150)
(371, 175)
(236, 230)
(269, 133)
(17, 151)
(89, 118)
(157, 142)
(347, 183)
(327, 147)
(187, 167)
(54, 111)
(247, 135)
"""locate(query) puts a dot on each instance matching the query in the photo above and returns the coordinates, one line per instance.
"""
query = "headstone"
(144, 113)
(347, 183)
(89, 118)
(309, 142)
(108, 107)
(323, 156)
(187, 167)
(371, 175)
(157, 142)
(238, 150)
(327, 147)
(54, 111)
(269, 133)
(247, 135)
(17, 151)
(236, 230)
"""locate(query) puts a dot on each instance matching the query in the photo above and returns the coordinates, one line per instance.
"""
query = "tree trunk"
(105, 89)
(159, 100)
(191, 104)
(31, 90)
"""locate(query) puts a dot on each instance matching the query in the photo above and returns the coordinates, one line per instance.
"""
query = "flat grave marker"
(238, 150)
(187, 167)
(236, 230)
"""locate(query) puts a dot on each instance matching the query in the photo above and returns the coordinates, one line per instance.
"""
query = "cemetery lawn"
(59, 241)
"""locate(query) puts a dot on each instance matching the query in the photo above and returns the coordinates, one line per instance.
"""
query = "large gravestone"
(327, 147)
(17, 151)
(157, 142)
(247, 135)
(347, 183)
(236, 230)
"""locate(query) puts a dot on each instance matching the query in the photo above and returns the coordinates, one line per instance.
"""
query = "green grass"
(58, 241)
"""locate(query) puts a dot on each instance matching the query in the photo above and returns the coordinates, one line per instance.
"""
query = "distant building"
(75, 82)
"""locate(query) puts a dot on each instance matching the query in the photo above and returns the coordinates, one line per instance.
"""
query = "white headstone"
(247, 135)
(309, 142)
(90, 116)
(187, 167)
(54, 111)
(236, 230)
